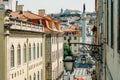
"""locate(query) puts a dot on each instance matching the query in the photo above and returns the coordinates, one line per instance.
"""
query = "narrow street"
(60, 40)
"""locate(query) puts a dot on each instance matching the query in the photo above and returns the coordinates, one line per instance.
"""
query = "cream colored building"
(53, 49)
(21, 50)
(75, 37)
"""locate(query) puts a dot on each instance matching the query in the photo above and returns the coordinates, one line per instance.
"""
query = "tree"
(66, 49)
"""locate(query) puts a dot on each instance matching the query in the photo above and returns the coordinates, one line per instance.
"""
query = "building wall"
(14, 37)
(54, 55)
(8, 4)
(29, 68)
(3, 61)
(112, 55)
(74, 47)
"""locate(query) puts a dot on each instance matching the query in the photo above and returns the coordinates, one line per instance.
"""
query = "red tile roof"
(71, 29)
(47, 20)
(26, 15)
(48, 24)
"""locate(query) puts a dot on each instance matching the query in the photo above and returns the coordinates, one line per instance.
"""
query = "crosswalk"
(78, 72)
(81, 72)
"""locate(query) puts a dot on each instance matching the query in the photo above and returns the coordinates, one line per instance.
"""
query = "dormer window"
(53, 26)
(70, 33)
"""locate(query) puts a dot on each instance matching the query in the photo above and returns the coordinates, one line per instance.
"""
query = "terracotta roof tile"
(26, 15)
(71, 29)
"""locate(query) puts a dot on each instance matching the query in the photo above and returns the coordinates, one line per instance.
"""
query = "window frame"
(34, 51)
(112, 24)
(19, 54)
(12, 57)
(24, 53)
(38, 50)
(118, 30)
(41, 49)
(30, 58)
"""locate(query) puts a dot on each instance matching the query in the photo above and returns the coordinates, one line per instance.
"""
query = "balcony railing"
(14, 24)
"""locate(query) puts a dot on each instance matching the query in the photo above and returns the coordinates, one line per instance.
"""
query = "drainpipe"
(105, 54)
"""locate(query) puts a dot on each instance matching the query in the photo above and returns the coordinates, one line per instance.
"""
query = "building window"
(112, 24)
(34, 78)
(12, 76)
(118, 26)
(19, 55)
(41, 74)
(24, 52)
(29, 52)
(107, 22)
(69, 33)
(34, 51)
(37, 50)
(70, 38)
(41, 49)
(38, 76)
(12, 56)
(64, 38)
(30, 78)
(75, 38)
(75, 44)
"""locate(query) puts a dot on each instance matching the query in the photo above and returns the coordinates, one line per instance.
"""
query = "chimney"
(1, 2)
(41, 12)
(19, 7)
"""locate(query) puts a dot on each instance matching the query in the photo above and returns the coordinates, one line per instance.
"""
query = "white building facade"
(21, 50)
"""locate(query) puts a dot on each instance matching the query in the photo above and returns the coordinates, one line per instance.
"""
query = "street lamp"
(69, 63)
(69, 66)
(69, 60)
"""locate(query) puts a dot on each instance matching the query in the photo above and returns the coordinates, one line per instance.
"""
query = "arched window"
(38, 76)
(30, 78)
(12, 56)
(37, 50)
(41, 49)
(41, 74)
(24, 53)
(34, 51)
(29, 52)
(19, 54)
(34, 78)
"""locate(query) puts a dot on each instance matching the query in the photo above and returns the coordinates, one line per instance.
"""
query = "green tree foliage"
(66, 49)
(91, 21)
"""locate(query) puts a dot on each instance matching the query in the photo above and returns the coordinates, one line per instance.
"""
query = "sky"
(54, 6)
